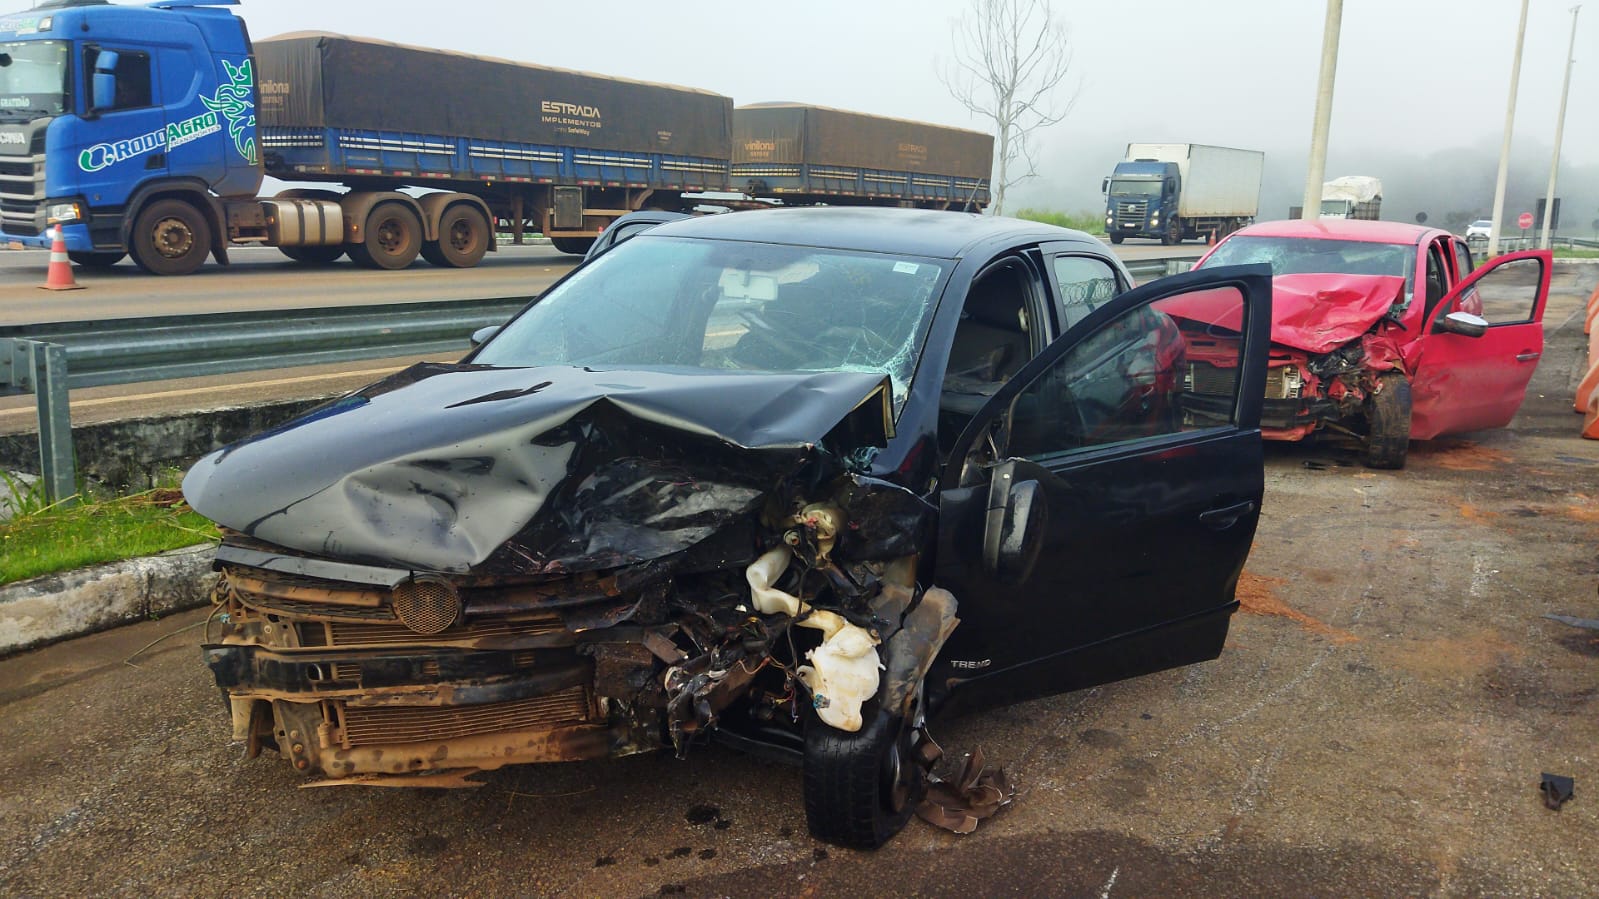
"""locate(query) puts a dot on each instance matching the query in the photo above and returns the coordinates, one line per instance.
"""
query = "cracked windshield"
(731, 306)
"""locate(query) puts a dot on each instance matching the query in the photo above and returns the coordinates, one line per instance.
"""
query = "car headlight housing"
(65, 212)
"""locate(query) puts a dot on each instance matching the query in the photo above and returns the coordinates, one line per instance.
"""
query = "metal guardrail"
(32, 366)
(1143, 269)
(129, 350)
(1515, 244)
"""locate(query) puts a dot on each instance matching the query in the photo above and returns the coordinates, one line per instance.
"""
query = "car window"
(134, 83)
(1463, 264)
(1083, 284)
(1507, 294)
(1437, 282)
(661, 301)
(1157, 369)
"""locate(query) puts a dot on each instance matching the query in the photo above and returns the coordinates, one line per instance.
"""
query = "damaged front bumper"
(363, 674)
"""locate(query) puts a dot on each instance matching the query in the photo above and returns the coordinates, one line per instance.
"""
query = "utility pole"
(1324, 98)
(1504, 149)
(1560, 127)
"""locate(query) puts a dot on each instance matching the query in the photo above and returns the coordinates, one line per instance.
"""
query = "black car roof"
(911, 232)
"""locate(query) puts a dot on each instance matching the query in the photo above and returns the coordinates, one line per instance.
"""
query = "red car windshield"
(1307, 256)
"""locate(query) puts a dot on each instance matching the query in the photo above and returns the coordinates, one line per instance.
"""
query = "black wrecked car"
(791, 479)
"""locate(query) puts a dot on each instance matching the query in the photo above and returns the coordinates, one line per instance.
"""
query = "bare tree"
(1010, 58)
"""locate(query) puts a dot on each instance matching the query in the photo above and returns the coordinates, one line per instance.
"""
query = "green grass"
(44, 539)
(1089, 221)
(1575, 253)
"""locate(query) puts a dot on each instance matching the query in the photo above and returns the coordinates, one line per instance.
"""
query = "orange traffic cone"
(1212, 241)
(60, 276)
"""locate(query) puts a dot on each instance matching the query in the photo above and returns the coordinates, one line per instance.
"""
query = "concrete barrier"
(60, 606)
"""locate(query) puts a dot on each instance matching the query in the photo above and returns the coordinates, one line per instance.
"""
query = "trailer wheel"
(170, 237)
(1388, 415)
(314, 255)
(575, 246)
(96, 259)
(463, 238)
(393, 238)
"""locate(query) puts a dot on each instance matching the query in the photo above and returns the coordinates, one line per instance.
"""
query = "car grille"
(1131, 213)
(419, 724)
(349, 633)
(22, 195)
(1210, 380)
(1282, 381)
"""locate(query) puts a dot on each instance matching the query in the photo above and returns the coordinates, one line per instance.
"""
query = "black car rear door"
(1147, 513)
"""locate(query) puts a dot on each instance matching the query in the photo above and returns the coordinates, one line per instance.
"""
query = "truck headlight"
(65, 212)
(1154, 219)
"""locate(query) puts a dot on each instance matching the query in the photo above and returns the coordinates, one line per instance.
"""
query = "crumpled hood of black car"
(508, 471)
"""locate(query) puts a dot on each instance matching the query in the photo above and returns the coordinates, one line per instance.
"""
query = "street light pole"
(1324, 97)
(1560, 127)
(1504, 149)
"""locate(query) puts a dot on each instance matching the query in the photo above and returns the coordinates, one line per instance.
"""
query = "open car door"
(1464, 382)
(1090, 526)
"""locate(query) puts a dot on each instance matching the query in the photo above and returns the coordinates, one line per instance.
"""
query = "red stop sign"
(1525, 220)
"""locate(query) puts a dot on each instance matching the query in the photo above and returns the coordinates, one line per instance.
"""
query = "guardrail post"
(41, 368)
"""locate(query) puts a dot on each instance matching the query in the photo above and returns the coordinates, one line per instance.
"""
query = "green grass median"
(43, 539)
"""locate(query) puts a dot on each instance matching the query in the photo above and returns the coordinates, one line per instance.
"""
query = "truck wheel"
(393, 238)
(170, 237)
(463, 238)
(1174, 233)
(575, 246)
(96, 259)
(861, 788)
(1388, 414)
(315, 255)
(1117, 239)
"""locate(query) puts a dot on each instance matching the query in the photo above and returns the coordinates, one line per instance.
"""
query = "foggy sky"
(1420, 96)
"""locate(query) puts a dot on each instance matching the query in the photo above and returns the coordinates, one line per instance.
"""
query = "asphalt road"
(261, 278)
(1377, 726)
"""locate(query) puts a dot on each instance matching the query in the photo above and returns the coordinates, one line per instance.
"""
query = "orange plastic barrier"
(1585, 390)
(1593, 311)
(1590, 424)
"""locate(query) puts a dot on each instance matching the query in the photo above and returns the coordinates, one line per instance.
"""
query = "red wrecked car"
(1381, 332)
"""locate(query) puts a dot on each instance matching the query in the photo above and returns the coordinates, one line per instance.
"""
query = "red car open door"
(1463, 383)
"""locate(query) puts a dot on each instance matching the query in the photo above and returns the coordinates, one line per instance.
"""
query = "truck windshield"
(1137, 188)
(727, 305)
(1304, 256)
(34, 78)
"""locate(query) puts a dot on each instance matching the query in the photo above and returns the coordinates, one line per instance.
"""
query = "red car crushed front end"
(1332, 337)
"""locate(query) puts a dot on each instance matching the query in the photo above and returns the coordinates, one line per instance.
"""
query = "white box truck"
(1172, 192)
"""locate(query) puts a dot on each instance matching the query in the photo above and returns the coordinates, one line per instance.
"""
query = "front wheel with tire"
(1173, 234)
(170, 237)
(315, 255)
(1117, 238)
(861, 788)
(1388, 418)
(463, 238)
(393, 238)
(96, 259)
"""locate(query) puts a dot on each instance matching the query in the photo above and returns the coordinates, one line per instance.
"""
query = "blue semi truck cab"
(1141, 201)
(1173, 192)
(105, 108)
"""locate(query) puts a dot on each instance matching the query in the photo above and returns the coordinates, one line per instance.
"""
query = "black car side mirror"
(1463, 323)
(482, 335)
(1017, 520)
